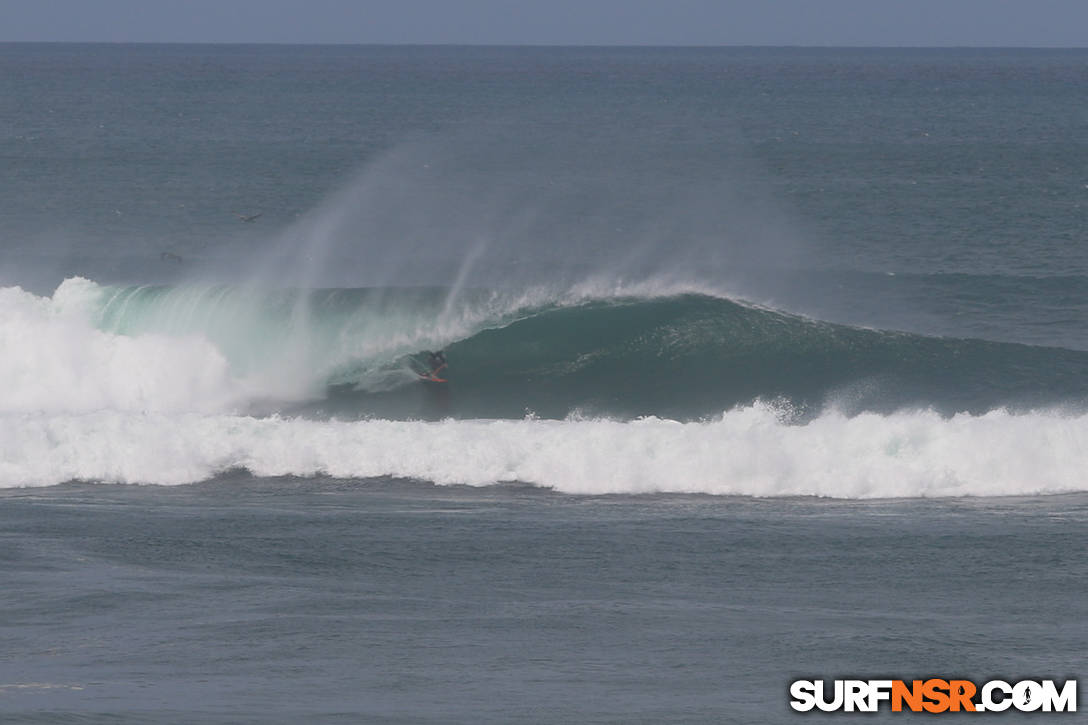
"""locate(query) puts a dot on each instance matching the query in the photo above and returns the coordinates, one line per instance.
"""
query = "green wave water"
(353, 352)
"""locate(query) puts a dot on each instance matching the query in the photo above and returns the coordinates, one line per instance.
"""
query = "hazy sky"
(576, 22)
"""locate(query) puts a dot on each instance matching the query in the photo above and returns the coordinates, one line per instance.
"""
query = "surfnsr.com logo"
(933, 695)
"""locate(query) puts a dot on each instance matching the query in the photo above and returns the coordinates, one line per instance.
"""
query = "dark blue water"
(940, 191)
(765, 364)
(276, 600)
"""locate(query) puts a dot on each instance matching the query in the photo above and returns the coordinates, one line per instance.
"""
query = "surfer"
(429, 367)
(437, 361)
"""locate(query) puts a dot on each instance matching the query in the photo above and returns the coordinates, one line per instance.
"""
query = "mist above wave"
(616, 351)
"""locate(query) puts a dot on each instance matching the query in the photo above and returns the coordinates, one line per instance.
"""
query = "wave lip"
(748, 451)
(618, 352)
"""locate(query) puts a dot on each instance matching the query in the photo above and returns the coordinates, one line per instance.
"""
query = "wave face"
(691, 356)
(584, 392)
(348, 353)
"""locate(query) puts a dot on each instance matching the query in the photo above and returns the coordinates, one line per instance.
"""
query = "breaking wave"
(746, 451)
(589, 391)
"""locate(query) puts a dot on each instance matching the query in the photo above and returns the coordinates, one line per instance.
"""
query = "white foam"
(747, 451)
(207, 350)
(220, 359)
(78, 403)
(54, 360)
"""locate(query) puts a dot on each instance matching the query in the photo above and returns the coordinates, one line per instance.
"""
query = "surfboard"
(424, 373)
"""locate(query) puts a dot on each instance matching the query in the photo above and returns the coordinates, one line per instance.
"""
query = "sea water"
(765, 364)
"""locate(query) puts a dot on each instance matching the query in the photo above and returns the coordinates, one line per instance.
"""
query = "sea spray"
(55, 360)
(614, 351)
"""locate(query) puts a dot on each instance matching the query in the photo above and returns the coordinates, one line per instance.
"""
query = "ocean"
(764, 364)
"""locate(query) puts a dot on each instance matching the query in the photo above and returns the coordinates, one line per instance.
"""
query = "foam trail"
(747, 451)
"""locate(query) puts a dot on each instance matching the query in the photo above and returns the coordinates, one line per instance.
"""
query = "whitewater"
(624, 311)
(168, 405)
(749, 451)
(764, 364)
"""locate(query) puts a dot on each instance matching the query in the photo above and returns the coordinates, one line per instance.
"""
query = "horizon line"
(901, 46)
